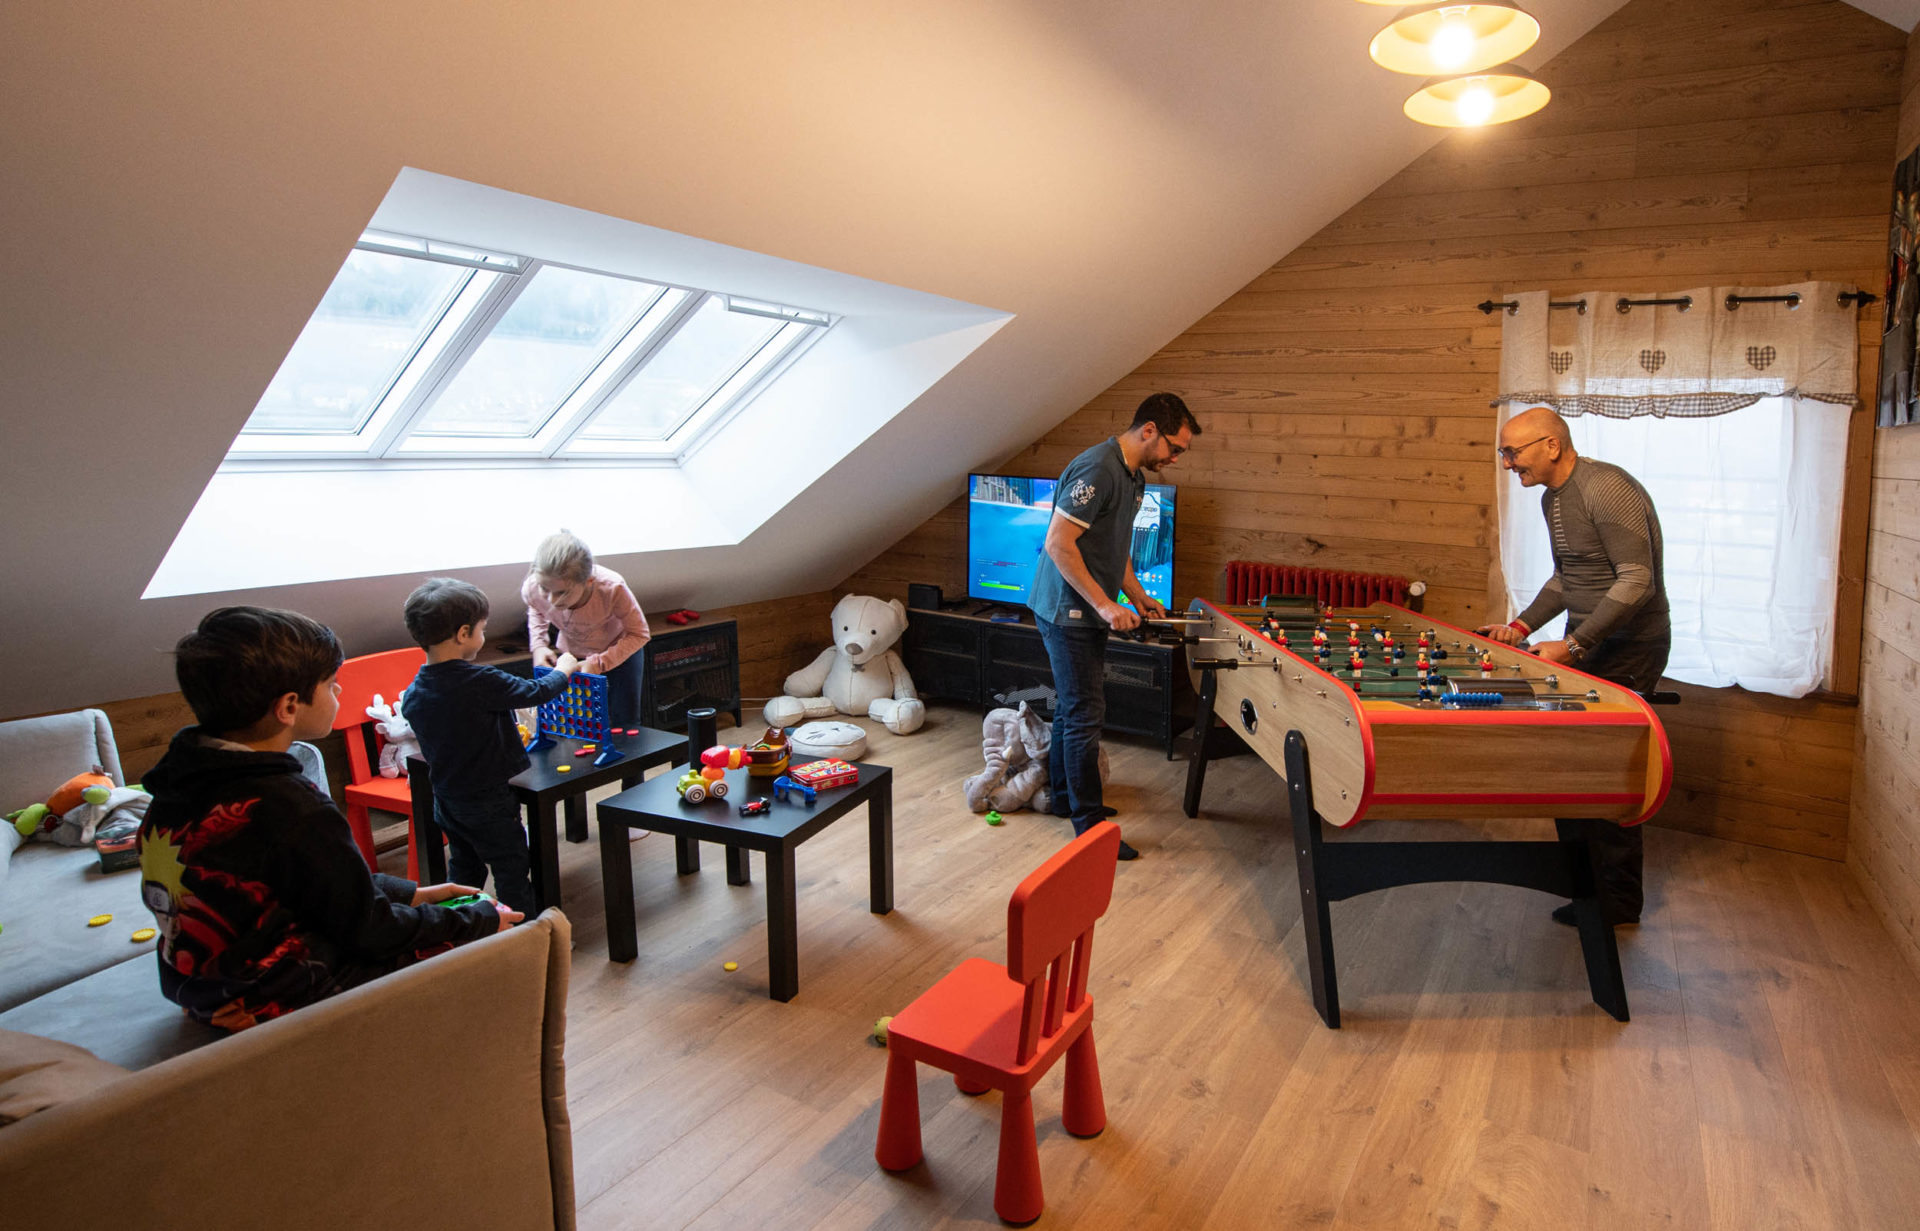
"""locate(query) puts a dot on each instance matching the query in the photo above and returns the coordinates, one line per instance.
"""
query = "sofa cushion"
(49, 894)
(38, 754)
(36, 1073)
(118, 1014)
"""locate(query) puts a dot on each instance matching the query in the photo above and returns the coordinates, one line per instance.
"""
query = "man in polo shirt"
(1088, 559)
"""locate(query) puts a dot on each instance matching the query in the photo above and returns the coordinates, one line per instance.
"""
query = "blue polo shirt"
(1101, 495)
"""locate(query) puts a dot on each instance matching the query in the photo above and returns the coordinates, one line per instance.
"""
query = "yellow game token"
(563, 769)
(143, 935)
(731, 966)
(99, 921)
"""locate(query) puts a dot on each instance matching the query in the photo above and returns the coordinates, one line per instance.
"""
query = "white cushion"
(829, 739)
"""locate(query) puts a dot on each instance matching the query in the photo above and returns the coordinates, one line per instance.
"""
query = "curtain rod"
(1683, 302)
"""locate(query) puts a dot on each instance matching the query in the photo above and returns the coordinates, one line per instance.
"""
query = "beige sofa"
(433, 1096)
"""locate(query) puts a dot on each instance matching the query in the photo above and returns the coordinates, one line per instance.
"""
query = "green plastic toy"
(994, 818)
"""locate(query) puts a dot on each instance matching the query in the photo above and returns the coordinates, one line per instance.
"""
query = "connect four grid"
(578, 713)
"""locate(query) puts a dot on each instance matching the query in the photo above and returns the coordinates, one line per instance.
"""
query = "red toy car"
(754, 807)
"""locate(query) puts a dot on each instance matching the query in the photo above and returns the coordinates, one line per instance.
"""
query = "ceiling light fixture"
(1473, 100)
(1428, 39)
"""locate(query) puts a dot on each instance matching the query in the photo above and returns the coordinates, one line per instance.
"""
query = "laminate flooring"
(1770, 1077)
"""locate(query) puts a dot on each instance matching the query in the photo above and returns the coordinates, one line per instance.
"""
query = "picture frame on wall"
(1898, 394)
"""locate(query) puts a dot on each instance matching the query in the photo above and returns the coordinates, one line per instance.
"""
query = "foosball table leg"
(1597, 944)
(1315, 918)
(1202, 731)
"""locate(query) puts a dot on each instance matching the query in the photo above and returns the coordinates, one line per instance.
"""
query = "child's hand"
(567, 664)
(427, 895)
(507, 917)
(545, 656)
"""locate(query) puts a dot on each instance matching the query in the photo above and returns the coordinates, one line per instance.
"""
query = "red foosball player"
(1319, 637)
(1354, 665)
(1486, 664)
(1426, 640)
(1280, 637)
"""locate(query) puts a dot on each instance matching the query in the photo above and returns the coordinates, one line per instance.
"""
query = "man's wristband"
(1520, 627)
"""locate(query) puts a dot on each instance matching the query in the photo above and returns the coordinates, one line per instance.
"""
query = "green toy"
(30, 819)
(994, 818)
(880, 1030)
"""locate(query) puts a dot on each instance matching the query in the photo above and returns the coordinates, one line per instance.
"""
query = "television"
(1007, 520)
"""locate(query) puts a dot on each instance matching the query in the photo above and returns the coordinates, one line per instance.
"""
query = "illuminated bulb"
(1475, 106)
(1452, 43)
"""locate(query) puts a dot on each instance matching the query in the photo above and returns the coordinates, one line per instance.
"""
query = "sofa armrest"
(439, 1087)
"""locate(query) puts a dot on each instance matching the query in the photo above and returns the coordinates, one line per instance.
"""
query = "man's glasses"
(1509, 454)
(1174, 450)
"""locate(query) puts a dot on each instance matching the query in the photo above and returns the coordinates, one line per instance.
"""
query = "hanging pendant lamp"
(1448, 39)
(1474, 100)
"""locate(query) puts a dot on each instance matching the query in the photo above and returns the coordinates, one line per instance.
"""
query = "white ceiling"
(182, 185)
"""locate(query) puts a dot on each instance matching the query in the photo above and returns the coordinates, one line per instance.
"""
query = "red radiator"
(1248, 582)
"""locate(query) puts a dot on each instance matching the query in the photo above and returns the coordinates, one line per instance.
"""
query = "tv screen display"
(1007, 521)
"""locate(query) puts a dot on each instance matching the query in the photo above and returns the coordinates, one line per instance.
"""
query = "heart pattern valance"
(1652, 360)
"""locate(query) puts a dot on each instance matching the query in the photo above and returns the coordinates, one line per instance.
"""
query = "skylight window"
(423, 348)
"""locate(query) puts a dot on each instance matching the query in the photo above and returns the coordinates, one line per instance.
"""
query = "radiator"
(1248, 582)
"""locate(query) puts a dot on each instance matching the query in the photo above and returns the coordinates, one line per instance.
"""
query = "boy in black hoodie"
(262, 899)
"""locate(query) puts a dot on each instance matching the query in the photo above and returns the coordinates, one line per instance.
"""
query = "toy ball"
(994, 818)
(730, 967)
(880, 1030)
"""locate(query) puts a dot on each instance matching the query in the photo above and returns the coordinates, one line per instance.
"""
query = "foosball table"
(1378, 712)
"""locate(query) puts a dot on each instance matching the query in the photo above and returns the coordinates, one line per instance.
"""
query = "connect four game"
(578, 713)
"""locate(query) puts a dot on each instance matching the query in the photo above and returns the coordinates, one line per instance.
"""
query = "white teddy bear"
(401, 742)
(859, 674)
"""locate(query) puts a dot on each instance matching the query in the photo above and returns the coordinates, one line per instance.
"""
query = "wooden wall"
(1884, 850)
(1344, 392)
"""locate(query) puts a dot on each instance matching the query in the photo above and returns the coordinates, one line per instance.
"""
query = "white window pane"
(371, 321)
(552, 336)
(673, 383)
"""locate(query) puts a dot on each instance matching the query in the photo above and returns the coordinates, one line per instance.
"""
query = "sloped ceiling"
(183, 181)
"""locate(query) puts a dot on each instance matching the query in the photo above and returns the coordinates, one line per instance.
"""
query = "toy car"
(696, 784)
(755, 807)
(826, 773)
(784, 784)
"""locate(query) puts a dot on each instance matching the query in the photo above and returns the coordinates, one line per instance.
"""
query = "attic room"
(923, 244)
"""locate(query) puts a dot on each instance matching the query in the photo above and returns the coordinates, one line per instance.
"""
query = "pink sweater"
(602, 632)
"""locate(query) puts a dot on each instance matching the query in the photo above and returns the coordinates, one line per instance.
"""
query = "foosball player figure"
(1486, 665)
(1319, 638)
(1354, 664)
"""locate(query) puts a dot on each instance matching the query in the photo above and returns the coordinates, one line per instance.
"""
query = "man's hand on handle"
(1120, 619)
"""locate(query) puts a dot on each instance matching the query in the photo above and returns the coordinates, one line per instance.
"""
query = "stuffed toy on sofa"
(401, 742)
(73, 813)
(859, 674)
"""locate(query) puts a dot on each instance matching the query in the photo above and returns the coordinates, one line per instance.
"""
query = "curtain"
(1737, 428)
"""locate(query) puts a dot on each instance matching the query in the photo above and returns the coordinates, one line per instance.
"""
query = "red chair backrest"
(1050, 922)
(389, 674)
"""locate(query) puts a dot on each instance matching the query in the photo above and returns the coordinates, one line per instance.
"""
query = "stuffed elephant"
(1015, 744)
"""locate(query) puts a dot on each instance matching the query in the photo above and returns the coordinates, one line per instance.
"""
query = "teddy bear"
(400, 741)
(1015, 744)
(860, 674)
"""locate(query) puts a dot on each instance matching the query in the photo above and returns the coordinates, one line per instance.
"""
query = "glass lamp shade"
(1474, 100)
(1445, 39)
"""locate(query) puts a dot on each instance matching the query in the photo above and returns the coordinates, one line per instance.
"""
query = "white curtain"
(1737, 427)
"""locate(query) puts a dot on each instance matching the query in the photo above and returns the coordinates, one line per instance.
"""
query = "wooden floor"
(1770, 1076)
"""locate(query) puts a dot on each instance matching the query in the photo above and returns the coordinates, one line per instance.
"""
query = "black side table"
(542, 788)
(656, 805)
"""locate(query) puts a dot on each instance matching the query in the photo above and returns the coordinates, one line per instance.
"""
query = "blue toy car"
(783, 784)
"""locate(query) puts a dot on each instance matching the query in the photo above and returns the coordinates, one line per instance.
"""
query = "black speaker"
(923, 598)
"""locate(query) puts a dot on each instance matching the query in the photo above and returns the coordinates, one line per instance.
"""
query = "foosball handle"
(1660, 698)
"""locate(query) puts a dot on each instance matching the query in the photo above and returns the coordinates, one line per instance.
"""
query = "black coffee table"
(656, 805)
(542, 788)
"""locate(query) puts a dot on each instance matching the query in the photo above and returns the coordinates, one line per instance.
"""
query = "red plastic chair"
(388, 674)
(1001, 1028)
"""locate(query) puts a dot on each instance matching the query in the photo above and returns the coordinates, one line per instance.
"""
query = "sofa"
(435, 1094)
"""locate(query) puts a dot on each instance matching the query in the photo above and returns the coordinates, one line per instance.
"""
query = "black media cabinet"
(977, 661)
(695, 665)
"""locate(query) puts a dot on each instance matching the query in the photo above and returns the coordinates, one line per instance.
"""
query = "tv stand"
(989, 663)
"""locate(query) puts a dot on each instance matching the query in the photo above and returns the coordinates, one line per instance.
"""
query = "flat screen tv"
(1007, 520)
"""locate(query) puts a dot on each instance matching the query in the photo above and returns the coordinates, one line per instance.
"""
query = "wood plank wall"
(1344, 392)
(1884, 850)
(777, 637)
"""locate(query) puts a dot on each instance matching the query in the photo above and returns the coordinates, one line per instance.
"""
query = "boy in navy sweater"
(262, 899)
(463, 714)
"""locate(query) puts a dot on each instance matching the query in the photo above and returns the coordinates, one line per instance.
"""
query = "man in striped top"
(1607, 577)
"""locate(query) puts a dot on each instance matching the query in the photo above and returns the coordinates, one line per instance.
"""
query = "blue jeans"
(484, 832)
(1079, 660)
(623, 692)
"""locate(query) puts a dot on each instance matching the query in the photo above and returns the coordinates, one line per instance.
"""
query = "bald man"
(1607, 577)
